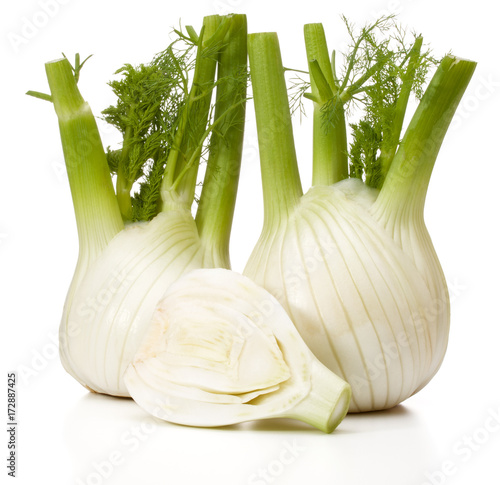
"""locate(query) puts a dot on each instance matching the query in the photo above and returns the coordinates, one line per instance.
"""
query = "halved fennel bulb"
(221, 350)
(369, 300)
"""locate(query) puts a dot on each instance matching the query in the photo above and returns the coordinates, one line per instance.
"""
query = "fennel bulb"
(134, 245)
(222, 350)
(111, 302)
(351, 260)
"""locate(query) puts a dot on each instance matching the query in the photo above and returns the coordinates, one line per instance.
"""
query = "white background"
(444, 435)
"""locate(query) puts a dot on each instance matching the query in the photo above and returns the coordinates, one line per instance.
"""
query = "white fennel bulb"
(373, 306)
(221, 350)
(351, 260)
(110, 306)
(133, 244)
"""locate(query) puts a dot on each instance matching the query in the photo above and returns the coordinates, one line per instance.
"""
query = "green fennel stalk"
(403, 72)
(165, 120)
(330, 142)
(96, 208)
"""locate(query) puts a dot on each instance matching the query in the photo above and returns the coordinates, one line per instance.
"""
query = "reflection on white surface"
(113, 441)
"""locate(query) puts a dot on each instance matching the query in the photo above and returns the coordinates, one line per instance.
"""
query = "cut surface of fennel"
(221, 350)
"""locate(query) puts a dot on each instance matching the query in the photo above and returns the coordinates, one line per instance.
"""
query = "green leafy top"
(167, 117)
(150, 98)
(165, 114)
(400, 168)
(381, 68)
(397, 67)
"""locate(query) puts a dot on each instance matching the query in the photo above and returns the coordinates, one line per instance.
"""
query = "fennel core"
(169, 122)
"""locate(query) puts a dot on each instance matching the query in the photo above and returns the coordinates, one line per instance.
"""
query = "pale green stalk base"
(411, 169)
(326, 404)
